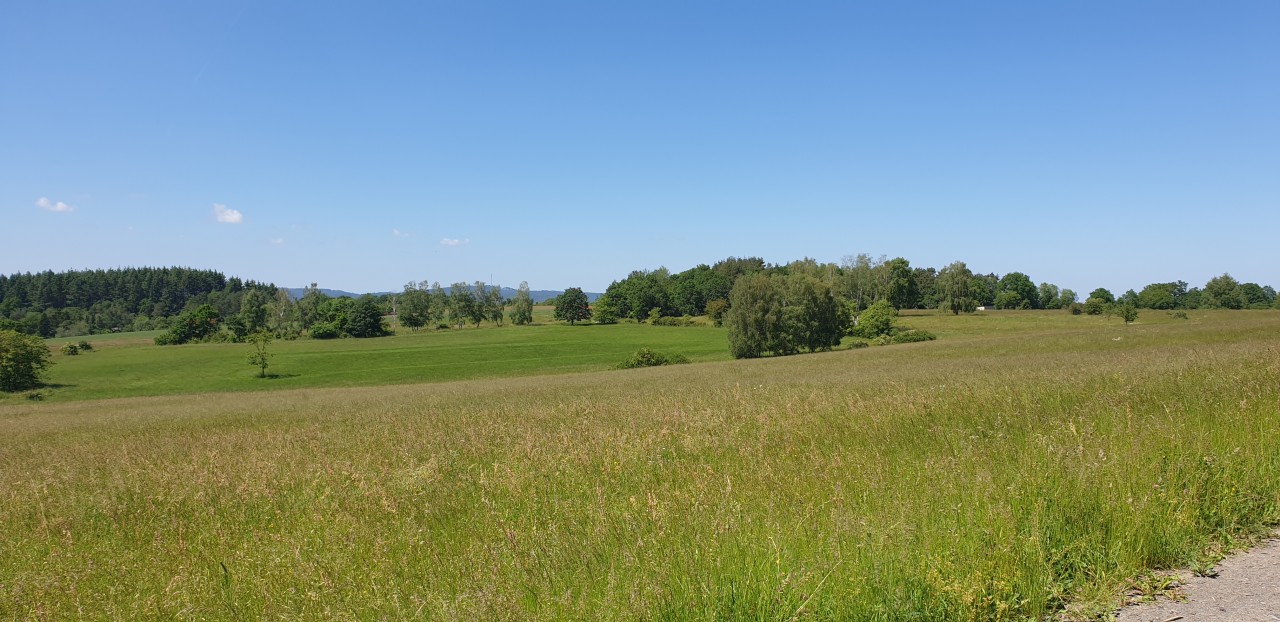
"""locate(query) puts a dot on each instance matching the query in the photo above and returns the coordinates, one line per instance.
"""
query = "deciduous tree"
(260, 357)
(23, 360)
(521, 313)
(1016, 291)
(755, 318)
(954, 282)
(364, 319)
(572, 306)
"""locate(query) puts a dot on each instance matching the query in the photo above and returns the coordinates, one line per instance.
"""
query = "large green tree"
(415, 306)
(572, 306)
(755, 319)
(1157, 296)
(364, 318)
(462, 303)
(900, 286)
(1016, 291)
(1050, 297)
(812, 315)
(954, 283)
(1223, 292)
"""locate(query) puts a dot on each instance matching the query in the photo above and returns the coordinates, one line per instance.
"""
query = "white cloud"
(226, 214)
(277, 241)
(454, 241)
(45, 204)
(396, 233)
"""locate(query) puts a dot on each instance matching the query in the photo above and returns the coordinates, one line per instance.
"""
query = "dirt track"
(1246, 589)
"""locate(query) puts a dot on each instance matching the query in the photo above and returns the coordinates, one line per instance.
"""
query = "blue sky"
(361, 146)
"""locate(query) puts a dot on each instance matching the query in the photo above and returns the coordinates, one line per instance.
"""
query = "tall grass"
(994, 475)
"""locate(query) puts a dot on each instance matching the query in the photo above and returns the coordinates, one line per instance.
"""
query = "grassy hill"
(1021, 463)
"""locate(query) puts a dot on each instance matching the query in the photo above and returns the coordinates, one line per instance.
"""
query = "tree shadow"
(276, 376)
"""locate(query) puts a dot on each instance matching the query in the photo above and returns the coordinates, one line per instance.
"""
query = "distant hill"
(538, 295)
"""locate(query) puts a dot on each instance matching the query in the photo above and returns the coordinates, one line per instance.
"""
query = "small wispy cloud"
(396, 233)
(45, 204)
(226, 214)
(276, 241)
(454, 242)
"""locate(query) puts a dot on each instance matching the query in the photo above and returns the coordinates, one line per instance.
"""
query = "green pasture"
(1024, 466)
(130, 365)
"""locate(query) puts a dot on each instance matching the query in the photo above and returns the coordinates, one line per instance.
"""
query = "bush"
(70, 349)
(324, 330)
(685, 320)
(716, 310)
(913, 336)
(1180, 315)
(1075, 308)
(877, 320)
(84, 346)
(644, 357)
(23, 359)
(221, 336)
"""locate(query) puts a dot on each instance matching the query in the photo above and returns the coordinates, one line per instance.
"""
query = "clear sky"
(363, 145)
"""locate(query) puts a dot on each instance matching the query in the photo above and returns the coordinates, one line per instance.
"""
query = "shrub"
(221, 336)
(913, 336)
(23, 359)
(70, 349)
(324, 330)
(685, 320)
(1180, 315)
(644, 357)
(1127, 312)
(877, 320)
(1075, 308)
(84, 346)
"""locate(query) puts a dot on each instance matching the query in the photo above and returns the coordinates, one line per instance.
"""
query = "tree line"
(320, 316)
(861, 280)
(82, 302)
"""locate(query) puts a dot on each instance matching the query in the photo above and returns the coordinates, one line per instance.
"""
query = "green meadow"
(131, 365)
(1024, 466)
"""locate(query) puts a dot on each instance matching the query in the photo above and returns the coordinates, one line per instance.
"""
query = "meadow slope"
(1021, 463)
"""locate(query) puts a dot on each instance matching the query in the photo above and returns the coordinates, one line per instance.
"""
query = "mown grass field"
(1022, 463)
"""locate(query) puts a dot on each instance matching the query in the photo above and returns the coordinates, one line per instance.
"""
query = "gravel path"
(1246, 589)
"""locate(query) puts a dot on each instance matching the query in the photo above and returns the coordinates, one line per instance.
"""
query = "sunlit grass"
(998, 473)
(125, 365)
